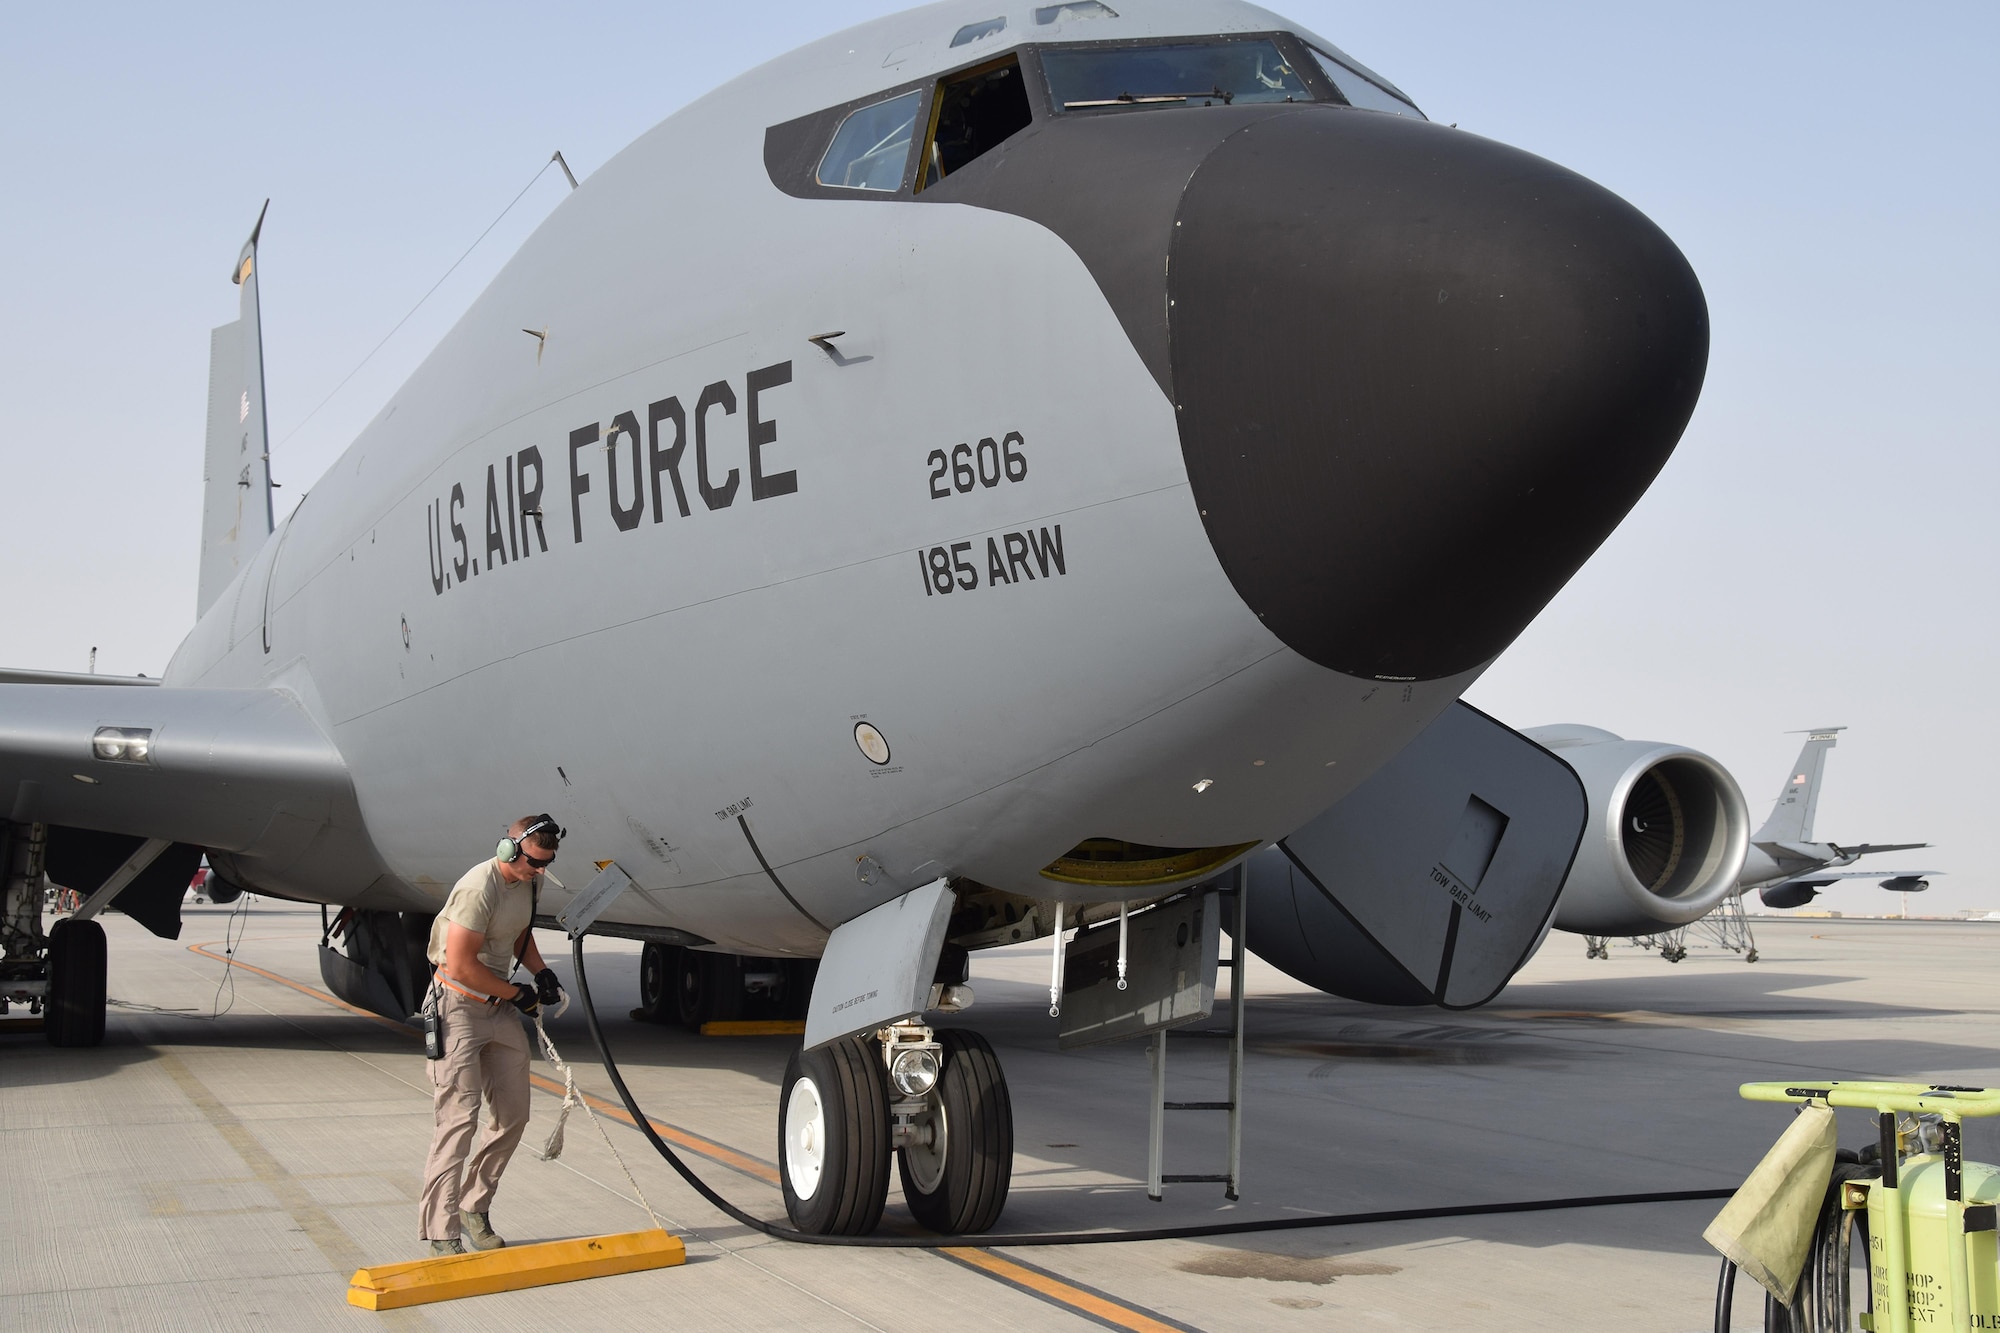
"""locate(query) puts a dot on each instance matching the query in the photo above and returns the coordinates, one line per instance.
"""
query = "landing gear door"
(1450, 858)
(878, 968)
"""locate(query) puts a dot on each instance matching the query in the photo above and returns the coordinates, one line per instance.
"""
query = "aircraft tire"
(710, 987)
(74, 1013)
(659, 967)
(833, 1138)
(690, 987)
(959, 1185)
(725, 987)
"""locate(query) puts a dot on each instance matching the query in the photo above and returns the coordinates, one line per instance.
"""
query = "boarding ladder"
(1157, 1178)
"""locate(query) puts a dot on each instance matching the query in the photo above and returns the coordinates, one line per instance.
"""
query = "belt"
(470, 994)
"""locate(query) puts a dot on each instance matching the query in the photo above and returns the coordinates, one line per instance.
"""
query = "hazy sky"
(1817, 552)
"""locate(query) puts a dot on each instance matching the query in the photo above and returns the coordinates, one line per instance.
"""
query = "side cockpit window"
(974, 112)
(872, 145)
(1360, 90)
(973, 32)
(1073, 9)
(1171, 74)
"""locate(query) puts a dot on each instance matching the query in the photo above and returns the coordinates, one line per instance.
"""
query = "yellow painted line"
(715, 1152)
(451, 1276)
(754, 1027)
(1040, 1282)
(33, 1024)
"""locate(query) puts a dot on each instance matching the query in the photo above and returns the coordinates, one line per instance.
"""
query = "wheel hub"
(925, 1146)
(805, 1138)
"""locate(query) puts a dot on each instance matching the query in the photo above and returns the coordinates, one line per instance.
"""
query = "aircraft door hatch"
(973, 112)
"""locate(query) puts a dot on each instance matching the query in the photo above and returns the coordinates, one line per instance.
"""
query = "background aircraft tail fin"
(1792, 818)
(236, 473)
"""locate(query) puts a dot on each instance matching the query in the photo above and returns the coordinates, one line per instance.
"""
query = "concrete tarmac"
(241, 1143)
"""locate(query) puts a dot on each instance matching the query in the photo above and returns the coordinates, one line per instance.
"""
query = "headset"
(509, 848)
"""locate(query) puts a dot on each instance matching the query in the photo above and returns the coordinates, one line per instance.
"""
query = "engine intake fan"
(1667, 837)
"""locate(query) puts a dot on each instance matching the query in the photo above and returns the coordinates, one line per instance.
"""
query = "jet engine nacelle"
(1667, 834)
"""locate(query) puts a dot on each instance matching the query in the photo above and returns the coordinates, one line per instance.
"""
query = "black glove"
(548, 987)
(527, 1000)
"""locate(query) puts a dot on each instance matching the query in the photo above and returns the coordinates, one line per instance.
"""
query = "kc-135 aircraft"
(996, 470)
(1782, 862)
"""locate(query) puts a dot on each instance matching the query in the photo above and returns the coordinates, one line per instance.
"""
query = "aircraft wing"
(245, 775)
(1870, 848)
(1802, 889)
(29, 676)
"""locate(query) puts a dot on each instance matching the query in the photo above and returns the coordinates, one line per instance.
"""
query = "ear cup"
(508, 850)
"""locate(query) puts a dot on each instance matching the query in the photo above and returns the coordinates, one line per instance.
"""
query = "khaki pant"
(486, 1053)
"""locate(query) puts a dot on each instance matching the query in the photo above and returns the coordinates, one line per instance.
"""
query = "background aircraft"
(1780, 860)
(926, 537)
(1788, 868)
(1666, 843)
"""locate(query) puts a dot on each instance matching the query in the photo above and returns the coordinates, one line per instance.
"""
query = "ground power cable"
(232, 940)
(984, 1239)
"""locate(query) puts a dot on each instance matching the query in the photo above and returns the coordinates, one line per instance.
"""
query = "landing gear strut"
(60, 974)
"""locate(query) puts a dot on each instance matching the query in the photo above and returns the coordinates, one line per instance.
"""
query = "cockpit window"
(1099, 78)
(1075, 9)
(1360, 91)
(872, 145)
(974, 112)
(972, 32)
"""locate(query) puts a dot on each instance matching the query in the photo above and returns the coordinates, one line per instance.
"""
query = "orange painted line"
(300, 987)
(1039, 1282)
(718, 1153)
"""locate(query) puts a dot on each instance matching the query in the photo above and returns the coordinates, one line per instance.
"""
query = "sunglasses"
(538, 862)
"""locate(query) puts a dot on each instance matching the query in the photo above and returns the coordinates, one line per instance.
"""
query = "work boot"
(479, 1232)
(452, 1246)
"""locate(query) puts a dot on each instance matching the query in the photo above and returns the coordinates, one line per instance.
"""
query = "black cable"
(1725, 1295)
(1078, 1237)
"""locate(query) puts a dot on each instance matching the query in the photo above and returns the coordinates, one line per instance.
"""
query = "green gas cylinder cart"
(1930, 1216)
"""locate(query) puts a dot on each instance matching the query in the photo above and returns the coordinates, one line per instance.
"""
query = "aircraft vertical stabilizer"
(1792, 818)
(236, 474)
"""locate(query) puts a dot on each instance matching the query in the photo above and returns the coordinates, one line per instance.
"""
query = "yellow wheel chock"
(450, 1276)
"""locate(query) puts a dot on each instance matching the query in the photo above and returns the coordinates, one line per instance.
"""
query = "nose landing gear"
(839, 1121)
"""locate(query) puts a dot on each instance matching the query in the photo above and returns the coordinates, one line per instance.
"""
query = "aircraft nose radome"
(1420, 377)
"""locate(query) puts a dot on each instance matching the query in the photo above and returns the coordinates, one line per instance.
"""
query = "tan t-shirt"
(485, 902)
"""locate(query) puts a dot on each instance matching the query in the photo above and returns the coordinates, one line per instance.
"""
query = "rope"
(427, 295)
(553, 1148)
